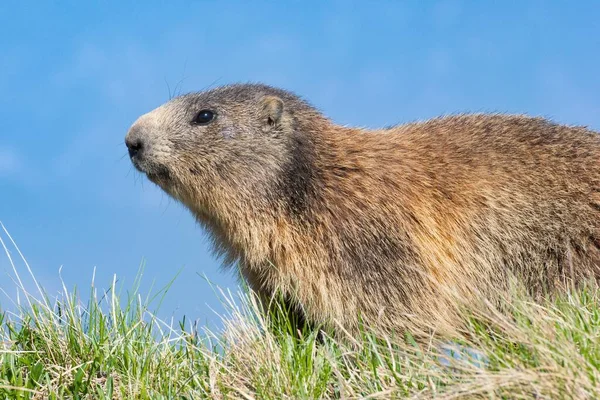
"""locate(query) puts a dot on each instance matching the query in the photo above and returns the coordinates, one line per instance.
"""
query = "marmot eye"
(204, 117)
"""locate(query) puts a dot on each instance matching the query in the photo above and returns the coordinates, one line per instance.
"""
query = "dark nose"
(135, 145)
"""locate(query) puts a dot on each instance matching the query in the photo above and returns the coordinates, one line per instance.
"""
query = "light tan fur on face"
(393, 225)
(152, 124)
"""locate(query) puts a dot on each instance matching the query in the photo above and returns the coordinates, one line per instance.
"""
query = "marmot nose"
(135, 145)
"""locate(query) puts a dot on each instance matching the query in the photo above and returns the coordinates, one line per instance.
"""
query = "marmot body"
(378, 223)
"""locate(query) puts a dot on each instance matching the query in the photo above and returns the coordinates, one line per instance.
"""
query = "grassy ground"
(114, 348)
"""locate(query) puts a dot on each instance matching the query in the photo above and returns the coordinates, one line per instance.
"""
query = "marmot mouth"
(154, 172)
(158, 173)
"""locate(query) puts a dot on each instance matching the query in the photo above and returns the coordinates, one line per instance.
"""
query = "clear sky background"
(74, 76)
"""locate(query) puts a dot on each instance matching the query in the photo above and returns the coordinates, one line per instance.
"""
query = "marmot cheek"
(228, 132)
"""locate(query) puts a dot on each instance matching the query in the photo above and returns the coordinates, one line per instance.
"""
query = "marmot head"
(204, 147)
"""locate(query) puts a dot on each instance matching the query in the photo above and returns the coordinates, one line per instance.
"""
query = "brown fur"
(393, 225)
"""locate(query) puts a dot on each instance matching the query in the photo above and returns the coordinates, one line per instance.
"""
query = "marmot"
(378, 225)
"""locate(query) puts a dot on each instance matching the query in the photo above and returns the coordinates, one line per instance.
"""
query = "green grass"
(113, 347)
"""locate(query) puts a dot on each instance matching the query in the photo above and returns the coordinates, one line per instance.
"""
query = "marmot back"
(394, 225)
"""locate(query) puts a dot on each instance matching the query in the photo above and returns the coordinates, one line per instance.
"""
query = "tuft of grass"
(113, 347)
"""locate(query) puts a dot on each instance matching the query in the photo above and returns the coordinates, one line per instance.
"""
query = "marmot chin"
(385, 226)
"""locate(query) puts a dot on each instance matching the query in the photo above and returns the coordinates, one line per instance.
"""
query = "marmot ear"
(272, 109)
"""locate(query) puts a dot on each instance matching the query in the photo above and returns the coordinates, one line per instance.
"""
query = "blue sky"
(73, 78)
